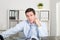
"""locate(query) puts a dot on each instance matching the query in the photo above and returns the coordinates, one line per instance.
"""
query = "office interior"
(50, 10)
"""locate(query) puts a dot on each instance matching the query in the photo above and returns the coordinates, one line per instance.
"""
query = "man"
(31, 27)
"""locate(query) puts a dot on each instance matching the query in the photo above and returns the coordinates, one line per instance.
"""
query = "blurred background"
(12, 12)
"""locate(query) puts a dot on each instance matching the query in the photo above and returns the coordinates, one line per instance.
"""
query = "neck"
(30, 22)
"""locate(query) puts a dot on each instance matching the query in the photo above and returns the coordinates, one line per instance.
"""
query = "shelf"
(42, 14)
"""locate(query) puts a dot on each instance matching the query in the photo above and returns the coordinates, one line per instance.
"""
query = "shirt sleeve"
(14, 30)
(43, 31)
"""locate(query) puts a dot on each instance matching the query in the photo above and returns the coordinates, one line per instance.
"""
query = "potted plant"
(40, 5)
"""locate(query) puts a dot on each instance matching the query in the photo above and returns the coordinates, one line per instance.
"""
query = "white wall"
(3, 14)
(23, 4)
(5, 5)
(58, 18)
(53, 17)
(58, 1)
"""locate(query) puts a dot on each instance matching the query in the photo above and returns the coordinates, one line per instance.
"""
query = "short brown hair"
(29, 10)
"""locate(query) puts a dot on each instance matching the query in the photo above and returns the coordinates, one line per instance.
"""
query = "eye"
(27, 15)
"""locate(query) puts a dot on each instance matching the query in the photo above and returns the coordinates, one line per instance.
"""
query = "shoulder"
(23, 22)
(43, 23)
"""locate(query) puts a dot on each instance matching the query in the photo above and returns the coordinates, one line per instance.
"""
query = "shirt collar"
(30, 23)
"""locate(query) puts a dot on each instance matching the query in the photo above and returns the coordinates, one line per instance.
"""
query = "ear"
(35, 16)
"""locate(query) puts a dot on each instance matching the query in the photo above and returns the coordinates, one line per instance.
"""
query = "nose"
(29, 18)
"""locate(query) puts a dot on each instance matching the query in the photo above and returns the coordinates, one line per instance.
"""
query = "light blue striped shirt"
(25, 27)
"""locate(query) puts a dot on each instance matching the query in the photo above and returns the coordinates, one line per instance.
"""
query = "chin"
(31, 22)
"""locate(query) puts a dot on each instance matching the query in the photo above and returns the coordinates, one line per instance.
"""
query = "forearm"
(12, 31)
(8, 33)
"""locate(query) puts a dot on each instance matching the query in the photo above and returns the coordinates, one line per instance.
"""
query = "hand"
(37, 22)
(33, 39)
(1, 37)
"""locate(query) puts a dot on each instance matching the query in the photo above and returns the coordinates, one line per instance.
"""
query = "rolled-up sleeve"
(43, 31)
(14, 30)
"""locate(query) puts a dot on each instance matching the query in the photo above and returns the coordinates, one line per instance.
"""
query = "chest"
(28, 27)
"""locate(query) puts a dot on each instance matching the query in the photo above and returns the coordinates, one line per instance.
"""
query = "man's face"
(30, 16)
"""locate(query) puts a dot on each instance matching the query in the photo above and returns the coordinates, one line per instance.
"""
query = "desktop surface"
(41, 38)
